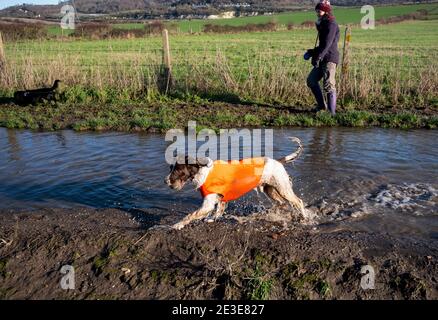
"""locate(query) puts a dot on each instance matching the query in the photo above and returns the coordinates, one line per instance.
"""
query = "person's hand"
(309, 53)
(315, 61)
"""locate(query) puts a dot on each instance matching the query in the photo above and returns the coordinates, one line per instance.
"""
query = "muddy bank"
(159, 117)
(115, 257)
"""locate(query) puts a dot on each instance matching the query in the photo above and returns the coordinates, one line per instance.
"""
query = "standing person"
(325, 58)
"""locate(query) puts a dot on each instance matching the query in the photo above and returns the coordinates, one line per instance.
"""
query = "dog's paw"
(212, 219)
(178, 226)
(308, 217)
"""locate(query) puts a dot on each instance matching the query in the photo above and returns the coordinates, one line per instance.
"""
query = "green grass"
(300, 278)
(55, 30)
(255, 67)
(259, 288)
(112, 84)
(343, 16)
(102, 260)
(259, 284)
(160, 116)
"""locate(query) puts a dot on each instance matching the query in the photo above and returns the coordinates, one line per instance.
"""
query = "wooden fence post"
(345, 61)
(167, 64)
(2, 54)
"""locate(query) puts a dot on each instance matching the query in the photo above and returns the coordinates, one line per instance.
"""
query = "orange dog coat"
(233, 179)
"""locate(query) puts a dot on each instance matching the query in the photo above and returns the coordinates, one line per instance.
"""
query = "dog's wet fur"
(275, 183)
(181, 173)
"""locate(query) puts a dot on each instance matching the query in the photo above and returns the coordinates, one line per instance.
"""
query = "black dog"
(37, 95)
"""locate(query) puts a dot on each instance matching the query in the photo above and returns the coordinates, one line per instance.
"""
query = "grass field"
(343, 16)
(393, 66)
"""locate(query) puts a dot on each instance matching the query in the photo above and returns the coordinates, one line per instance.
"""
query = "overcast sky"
(8, 3)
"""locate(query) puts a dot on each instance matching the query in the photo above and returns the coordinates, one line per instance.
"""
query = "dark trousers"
(325, 71)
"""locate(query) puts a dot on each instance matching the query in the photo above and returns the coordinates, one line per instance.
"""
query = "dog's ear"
(205, 162)
(180, 159)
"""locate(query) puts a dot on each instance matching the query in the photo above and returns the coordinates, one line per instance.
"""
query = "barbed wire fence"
(259, 69)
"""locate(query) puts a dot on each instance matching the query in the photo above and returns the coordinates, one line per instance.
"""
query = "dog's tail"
(293, 156)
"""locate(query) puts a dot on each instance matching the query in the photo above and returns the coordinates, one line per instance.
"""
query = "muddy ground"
(115, 256)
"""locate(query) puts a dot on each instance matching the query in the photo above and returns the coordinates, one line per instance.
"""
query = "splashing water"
(407, 197)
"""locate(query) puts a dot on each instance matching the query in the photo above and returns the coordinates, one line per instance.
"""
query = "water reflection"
(70, 169)
(14, 147)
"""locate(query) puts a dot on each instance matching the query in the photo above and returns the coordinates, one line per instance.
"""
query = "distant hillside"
(175, 9)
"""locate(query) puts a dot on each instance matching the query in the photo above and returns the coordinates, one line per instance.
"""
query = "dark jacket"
(328, 30)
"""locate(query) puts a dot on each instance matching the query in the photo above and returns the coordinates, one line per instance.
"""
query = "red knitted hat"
(324, 7)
